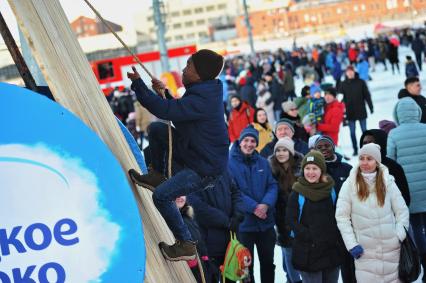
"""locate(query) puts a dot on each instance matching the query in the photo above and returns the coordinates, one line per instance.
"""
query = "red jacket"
(333, 117)
(238, 120)
(352, 54)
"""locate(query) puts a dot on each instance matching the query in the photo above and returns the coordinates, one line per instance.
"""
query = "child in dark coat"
(316, 105)
(410, 68)
(218, 211)
(188, 217)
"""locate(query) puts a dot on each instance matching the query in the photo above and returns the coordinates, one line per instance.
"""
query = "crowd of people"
(252, 156)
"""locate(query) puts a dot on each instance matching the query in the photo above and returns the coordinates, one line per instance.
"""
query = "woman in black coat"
(339, 171)
(393, 56)
(285, 164)
(317, 245)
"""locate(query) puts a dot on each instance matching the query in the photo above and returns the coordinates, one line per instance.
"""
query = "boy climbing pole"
(200, 143)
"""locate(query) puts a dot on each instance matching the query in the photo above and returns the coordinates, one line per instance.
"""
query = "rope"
(162, 92)
(200, 268)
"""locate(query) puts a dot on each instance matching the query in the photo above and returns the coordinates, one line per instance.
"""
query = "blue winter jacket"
(214, 209)
(337, 69)
(329, 60)
(362, 69)
(198, 117)
(254, 179)
(407, 146)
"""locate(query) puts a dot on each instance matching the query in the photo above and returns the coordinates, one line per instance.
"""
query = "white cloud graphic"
(52, 188)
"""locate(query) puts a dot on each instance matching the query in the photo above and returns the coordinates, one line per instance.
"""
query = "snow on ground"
(384, 88)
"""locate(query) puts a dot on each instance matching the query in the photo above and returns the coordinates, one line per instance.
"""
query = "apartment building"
(310, 16)
(189, 22)
(86, 27)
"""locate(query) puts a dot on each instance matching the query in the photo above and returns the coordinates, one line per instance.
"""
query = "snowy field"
(384, 88)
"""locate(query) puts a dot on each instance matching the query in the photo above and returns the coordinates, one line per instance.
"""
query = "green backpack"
(237, 261)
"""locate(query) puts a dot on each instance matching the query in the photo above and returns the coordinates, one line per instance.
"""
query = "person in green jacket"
(302, 102)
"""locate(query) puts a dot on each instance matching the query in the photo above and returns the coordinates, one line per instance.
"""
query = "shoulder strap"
(333, 196)
(301, 204)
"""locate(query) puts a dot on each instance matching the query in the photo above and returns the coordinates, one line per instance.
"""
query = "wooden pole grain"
(162, 92)
(74, 86)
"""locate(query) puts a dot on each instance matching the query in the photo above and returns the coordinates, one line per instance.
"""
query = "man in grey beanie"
(284, 128)
(291, 113)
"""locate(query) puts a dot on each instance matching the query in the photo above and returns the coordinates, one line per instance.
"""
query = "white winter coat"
(378, 230)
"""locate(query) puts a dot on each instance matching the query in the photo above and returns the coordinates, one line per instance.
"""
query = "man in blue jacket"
(200, 143)
(259, 190)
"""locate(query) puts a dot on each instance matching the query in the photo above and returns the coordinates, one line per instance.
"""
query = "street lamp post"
(160, 35)
(249, 31)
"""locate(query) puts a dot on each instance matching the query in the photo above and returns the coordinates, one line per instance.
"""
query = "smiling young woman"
(372, 217)
(317, 247)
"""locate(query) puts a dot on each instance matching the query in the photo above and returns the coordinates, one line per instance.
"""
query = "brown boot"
(181, 250)
(150, 181)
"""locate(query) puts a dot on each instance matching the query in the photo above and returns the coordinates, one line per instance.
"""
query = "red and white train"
(112, 72)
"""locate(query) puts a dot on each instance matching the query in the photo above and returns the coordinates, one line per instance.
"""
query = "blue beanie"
(315, 89)
(249, 131)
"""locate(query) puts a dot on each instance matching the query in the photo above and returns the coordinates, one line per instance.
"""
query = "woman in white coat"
(372, 217)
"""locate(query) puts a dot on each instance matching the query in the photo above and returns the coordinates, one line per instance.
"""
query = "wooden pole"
(16, 55)
(163, 94)
(74, 85)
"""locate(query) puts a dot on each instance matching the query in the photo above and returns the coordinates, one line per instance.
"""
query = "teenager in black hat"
(200, 143)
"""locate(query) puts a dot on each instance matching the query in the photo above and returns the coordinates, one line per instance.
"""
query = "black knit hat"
(235, 95)
(208, 64)
(331, 90)
(306, 90)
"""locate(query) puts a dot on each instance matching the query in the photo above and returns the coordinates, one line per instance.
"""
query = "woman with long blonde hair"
(372, 217)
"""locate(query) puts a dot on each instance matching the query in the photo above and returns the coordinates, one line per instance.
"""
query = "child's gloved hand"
(133, 76)
(357, 252)
(308, 128)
